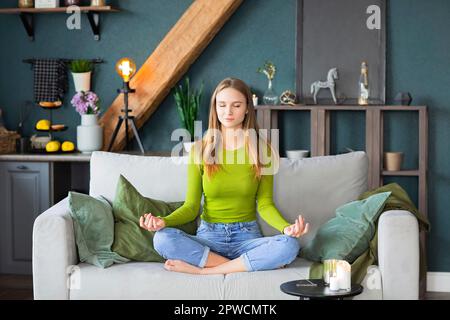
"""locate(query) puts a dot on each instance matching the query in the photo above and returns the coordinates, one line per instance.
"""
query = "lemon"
(43, 125)
(68, 146)
(52, 146)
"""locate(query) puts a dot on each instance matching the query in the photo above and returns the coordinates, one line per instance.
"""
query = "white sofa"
(314, 187)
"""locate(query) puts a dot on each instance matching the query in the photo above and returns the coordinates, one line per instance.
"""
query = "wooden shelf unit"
(267, 117)
(27, 16)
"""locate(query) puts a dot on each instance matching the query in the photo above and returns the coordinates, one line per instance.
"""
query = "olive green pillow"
(93, 223)
(131, 241)
(348, 235)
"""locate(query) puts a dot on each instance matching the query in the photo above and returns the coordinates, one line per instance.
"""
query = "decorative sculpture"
(330, 84)
(288, 97)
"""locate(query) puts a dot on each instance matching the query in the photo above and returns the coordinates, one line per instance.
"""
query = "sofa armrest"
(54, 252)
(398, 254)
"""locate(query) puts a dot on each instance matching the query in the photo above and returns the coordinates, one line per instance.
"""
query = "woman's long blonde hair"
(211, 142)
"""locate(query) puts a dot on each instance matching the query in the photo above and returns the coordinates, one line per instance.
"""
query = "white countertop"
(69, 157)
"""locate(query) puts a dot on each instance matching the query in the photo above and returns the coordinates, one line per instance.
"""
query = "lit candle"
(255, 100)
(343, 272)
(334, 284)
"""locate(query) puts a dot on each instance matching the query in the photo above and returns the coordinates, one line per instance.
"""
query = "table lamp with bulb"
(126, 68)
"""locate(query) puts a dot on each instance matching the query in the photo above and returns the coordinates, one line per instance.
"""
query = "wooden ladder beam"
(166, 65)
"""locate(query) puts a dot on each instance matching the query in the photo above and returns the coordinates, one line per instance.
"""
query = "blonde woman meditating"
(228, 238)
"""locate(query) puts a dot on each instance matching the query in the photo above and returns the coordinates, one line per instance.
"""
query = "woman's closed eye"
(235, 105)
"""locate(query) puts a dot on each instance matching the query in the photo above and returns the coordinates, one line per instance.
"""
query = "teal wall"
(418, 61)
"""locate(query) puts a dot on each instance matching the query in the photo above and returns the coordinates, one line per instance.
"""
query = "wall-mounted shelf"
(410, 173)
(267, 117)
(27, 16)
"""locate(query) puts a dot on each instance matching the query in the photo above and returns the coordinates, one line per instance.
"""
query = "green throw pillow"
(348, 235)
(94, 229)
(131, 241)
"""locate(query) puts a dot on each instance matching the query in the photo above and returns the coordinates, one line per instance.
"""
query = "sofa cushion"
(264, 285)
(142, 281)
(348, 235)
(149, 280)
(130, 240)
(316, 187)
(93, 223)
(162, 178)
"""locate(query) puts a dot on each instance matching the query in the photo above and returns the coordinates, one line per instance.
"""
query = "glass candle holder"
(98, 3)
(329, 270)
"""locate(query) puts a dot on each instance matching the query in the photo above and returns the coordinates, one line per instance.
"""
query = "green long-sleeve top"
(230, 195)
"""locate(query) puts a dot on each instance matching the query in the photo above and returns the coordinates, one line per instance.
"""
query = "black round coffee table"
(316, 289)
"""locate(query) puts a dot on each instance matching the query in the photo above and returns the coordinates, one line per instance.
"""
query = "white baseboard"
(438, 281)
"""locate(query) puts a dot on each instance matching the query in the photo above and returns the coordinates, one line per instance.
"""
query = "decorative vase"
(270, 97)
(393, 161)
(82, 81)
(89, 134)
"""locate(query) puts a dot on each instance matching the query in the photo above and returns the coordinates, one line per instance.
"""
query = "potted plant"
(188, 102)
(89, 133)
(269, 69)
(81, 72)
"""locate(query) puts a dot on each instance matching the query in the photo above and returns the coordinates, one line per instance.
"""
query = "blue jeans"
(230, 240)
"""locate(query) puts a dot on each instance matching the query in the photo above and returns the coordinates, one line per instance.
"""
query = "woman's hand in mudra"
(298, 229)
(151, 223)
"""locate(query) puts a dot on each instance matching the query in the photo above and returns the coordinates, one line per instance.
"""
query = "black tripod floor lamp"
(126, 68)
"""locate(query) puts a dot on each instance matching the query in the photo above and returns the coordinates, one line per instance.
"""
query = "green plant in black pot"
(188, 102)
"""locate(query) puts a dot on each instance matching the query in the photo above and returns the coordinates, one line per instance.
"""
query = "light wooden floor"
(17, 287)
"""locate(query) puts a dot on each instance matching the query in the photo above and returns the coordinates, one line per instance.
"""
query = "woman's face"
(231, 107)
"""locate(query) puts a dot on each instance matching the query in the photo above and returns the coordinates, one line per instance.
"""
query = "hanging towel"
(50, 80)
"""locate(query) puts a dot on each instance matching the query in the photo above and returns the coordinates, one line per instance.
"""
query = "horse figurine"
(316, 86)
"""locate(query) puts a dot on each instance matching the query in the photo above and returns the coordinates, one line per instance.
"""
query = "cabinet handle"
(22, 167)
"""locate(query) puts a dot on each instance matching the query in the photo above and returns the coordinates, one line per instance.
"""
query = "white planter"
(82, 81)
(89, 134)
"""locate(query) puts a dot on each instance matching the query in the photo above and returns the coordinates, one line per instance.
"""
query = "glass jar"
(26, 4)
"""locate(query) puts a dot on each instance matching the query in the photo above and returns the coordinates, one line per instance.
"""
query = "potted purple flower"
(89, 133)
(86, 102)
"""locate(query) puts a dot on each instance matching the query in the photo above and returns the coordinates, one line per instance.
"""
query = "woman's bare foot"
(181, 266)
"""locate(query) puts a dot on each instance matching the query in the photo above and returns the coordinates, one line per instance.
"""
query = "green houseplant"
(187, 102)
(81, 73)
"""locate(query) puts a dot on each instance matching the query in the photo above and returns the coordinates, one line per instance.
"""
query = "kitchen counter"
(69, 157)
